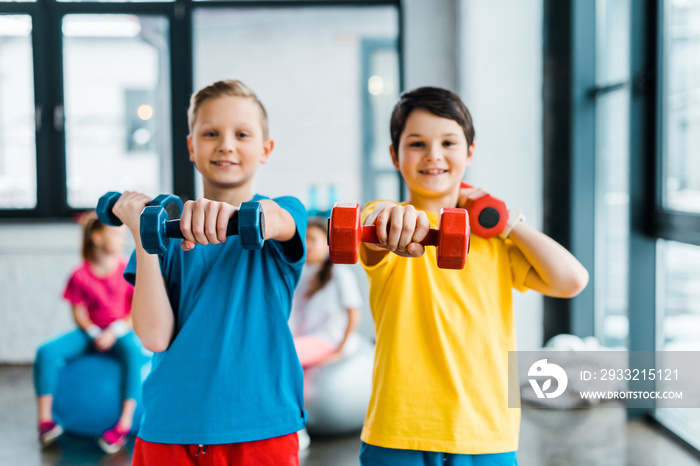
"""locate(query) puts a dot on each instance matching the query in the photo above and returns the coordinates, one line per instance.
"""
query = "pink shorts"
(312, 350)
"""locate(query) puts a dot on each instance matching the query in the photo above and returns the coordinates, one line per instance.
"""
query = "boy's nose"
(226, 145)
(434, 153)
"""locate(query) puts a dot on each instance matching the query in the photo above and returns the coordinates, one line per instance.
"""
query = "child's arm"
(151, 312)
(204, 222)
(555, 271)
(82, 320)
(400, 229)
(103, 340)
(354, 318)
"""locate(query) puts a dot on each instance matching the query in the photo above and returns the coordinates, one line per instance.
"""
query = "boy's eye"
(449, 143)
(242, 134)
(209, 134)
(415, 144)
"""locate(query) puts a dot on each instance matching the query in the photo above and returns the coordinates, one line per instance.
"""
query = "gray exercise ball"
(337, 393)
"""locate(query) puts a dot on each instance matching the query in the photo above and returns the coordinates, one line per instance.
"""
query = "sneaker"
(113, 440)
(304, 440)
(49, 431)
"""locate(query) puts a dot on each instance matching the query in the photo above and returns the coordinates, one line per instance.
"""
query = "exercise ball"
(337, 393)
(89, 395)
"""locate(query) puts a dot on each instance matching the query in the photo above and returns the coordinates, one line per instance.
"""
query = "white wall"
(500, 80)
(35, 260)
(489, 52)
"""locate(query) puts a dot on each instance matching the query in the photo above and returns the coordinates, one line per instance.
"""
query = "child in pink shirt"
(100, 298)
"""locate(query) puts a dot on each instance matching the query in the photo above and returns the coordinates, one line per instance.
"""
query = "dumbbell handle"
(172, 227)
(369, 235)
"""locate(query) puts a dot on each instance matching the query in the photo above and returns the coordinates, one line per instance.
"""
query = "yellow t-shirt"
(441, 363)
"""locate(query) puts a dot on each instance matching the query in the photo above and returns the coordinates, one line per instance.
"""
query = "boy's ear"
(268, 145)
(470, 153)
(190, 147)
(394, 157)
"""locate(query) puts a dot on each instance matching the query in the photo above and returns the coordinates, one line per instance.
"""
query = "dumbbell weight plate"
(104, 209)
(173, 204)
(453, 239)
(152, 230)
(344, 233)
(251, 225)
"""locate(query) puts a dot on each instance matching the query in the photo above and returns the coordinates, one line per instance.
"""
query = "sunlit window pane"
(17, 114)
(612, 161)
(681, 105)
(116, 105)
(679, 289)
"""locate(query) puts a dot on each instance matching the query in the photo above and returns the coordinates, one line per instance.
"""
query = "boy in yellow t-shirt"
(440, 385)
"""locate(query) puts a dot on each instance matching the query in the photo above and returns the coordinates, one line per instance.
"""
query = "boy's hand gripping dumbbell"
(488, 215)
(171, 203)
(345, 233)
(156, 229)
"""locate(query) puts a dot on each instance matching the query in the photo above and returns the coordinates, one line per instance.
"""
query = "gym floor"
(599, 436)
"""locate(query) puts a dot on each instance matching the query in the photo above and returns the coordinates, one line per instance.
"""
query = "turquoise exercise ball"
(89, 396)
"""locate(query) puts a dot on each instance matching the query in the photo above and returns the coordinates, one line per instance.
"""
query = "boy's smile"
(433, 154)
(227, 142)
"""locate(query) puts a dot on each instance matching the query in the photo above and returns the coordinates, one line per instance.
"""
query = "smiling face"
(433, 154)
(227, 142)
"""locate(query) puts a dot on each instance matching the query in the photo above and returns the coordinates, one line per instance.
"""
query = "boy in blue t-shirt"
(226, 381)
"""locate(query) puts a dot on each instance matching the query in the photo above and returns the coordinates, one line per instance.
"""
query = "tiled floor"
(591, 437)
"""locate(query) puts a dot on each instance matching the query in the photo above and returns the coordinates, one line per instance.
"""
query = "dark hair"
(440, 102)
(324, 274)
(90, 225)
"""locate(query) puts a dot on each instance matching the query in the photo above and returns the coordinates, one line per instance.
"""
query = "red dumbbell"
(345, 232)
(488, 215)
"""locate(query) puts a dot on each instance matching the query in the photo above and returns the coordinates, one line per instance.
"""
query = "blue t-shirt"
(231, 373)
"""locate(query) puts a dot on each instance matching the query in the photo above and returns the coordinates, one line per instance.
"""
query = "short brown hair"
(229, 87)
(440, 102)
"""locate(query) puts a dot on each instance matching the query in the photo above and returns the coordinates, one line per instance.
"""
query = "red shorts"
(278, 451)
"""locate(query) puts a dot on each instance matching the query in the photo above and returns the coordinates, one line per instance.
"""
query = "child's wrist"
(93, 331)
(119, 328)
(515, 216)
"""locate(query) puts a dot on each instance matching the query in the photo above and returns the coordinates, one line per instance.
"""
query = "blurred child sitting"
(101, 302)
(326, 306)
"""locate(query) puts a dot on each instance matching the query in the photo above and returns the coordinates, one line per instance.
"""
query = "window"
(18, 117)
(116, 85)
(681, 105)
(612, 161)
(678, 194)
(109, 112)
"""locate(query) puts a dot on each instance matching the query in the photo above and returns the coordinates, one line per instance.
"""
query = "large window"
(678, 196)
(93, 96)
(625, 74)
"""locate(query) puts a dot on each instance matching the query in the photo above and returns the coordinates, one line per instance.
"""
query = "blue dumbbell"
(157, 229)
(171, 203)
